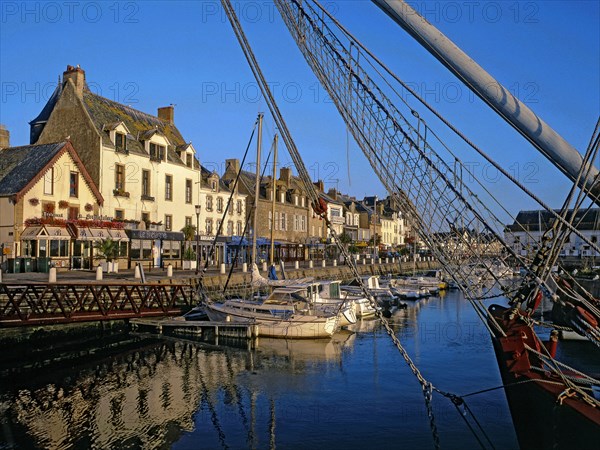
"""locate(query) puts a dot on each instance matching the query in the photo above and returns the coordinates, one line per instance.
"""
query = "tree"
(107, 249)
(189, 233)
(345, 238)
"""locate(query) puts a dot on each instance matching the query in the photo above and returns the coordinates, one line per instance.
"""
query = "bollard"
(335, 263)
(310, 264)
(265, 266)
(52, 275)
(98, 273)
(222, 268)
(170, 271)
(296, 265)
(136, 272)
(245, 267)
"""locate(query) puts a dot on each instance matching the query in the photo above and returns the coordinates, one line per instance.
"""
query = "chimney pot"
(77, 76)
(4, 137)
(167, 113)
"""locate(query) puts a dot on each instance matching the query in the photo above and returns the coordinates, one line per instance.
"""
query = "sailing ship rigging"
(456, 216)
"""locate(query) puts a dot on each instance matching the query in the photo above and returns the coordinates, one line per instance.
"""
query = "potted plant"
(189, 255)
(108, 250)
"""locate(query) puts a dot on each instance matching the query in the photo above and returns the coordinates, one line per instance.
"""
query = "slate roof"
(140, 124)
(44, 115)
(22, 167)
(530, 220)
(19, 165)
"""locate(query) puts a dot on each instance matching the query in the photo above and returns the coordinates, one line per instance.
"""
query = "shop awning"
(45, 232)
(118, 235)
(97, 234)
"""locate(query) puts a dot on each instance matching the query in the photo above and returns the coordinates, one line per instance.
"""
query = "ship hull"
(540, 420)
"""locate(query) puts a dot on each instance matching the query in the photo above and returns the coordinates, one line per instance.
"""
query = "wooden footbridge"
(31, 303)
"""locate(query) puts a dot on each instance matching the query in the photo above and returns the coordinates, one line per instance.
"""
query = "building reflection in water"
(150, 397)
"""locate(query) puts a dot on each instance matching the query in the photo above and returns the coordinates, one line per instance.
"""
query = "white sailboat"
(283, 314)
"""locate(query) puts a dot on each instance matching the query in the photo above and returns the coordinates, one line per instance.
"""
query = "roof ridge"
(128, 108)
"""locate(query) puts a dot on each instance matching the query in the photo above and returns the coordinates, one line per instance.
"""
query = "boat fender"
(536, 302)
(552, 343)
(585, 316)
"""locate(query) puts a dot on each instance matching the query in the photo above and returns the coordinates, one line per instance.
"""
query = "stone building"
(146, 171)
(289, 224)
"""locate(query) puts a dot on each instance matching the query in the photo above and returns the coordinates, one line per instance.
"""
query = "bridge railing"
(23, 304)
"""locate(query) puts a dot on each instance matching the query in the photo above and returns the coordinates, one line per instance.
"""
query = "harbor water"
(353, 392)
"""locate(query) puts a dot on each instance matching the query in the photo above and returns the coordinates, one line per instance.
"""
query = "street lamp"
(374, 230)
(198, 208)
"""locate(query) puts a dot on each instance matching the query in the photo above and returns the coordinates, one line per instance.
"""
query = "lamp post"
(374, 230)
(198, 208)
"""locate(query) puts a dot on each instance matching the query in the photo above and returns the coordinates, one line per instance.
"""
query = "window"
(239, 228)
(594, 239)
(49, 182)
(283, 222)
(146, 192)
(209, 202)
(188, 159)
(303, 202)
(188, 221)
(209, 226)
(157, 152)
(230, 228)
(74, 184)
(119, 177)
(168, 222)
(213, 186)
(282, 197)
(119, 214)
(218, 225)
(295, 200)
(120, 142)
(239, 206)
(230, 207)
(219, 204)
(146, 218)
(169, 187)
(188, 191)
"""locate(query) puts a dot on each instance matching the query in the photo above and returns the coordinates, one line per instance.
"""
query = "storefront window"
(43, 248)
(54, 248)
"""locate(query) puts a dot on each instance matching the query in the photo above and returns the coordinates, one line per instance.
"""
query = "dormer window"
(213, 185)
(189, 159)
(120, 142)
(157, 152)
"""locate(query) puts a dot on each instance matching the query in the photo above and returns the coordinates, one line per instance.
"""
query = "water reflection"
(180, 393)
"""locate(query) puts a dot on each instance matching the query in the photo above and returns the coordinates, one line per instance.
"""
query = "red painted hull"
(540, 421)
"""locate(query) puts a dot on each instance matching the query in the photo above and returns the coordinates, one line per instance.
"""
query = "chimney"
(167, 113)
(285, 174)
(320, 185)
(4, 137)
(232, 166)
(77, 76)
(332, 193)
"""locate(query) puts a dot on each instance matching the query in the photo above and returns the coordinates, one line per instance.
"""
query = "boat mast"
(553, 146)
(272, 252)
(257, 187)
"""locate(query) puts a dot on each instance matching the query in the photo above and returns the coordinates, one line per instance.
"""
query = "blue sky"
(151, 54)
